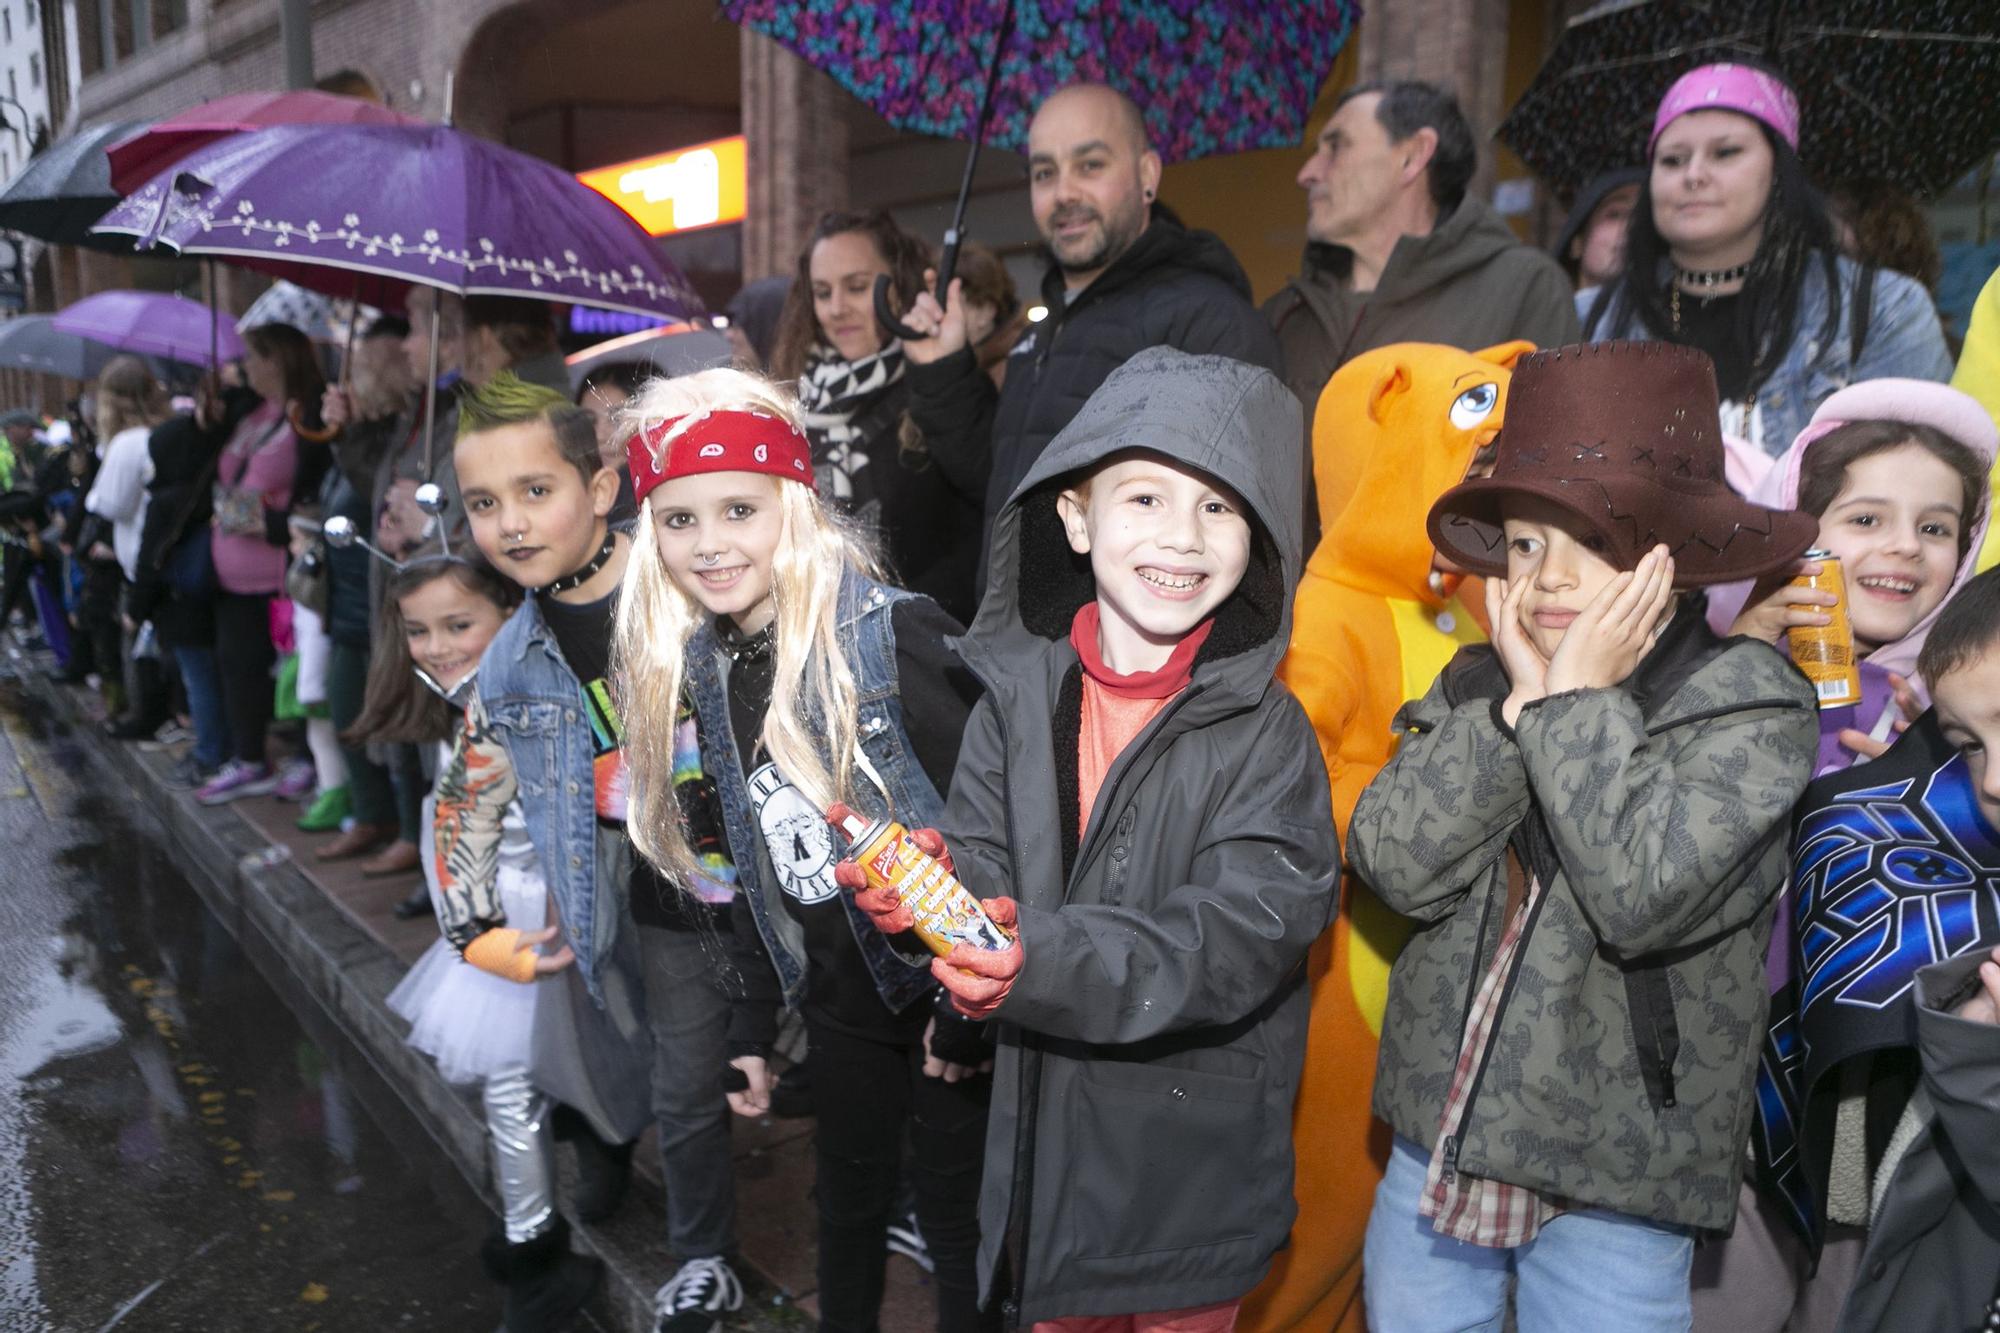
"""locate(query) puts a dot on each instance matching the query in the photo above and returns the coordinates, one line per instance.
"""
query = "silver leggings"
(524, 1167)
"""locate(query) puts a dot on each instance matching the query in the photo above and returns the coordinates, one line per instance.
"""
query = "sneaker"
(171, 732)
(905, 1239)
(236, 778)
(189, 773)
(695, 1299)
(327, 812)
(296, 777)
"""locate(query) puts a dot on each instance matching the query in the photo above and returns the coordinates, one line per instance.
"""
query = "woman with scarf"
(851, 385)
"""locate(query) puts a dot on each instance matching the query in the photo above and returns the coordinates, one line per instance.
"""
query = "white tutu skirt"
(472, 1022)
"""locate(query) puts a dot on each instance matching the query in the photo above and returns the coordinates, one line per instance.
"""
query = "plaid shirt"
(1468, 1208)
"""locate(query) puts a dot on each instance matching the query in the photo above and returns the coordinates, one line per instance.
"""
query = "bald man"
(1125, 275)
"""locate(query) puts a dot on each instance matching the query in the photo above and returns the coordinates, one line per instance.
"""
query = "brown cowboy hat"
(1626, 436)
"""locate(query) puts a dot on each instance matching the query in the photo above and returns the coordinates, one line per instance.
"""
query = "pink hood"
(1920, 402)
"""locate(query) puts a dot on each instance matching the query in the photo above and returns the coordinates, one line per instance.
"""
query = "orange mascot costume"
(1374, 623)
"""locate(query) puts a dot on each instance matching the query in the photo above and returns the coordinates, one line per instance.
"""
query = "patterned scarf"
(835, 395)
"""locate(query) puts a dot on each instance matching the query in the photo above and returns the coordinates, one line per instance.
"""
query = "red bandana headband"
(719, 442)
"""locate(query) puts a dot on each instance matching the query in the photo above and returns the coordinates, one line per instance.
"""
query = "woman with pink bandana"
(1731, 250)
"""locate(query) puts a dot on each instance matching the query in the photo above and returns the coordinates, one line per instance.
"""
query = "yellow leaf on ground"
(313, 1294)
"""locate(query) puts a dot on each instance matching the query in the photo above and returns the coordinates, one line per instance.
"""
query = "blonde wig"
(809, 728)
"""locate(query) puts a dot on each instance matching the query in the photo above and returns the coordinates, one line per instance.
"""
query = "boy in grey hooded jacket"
(1151, 1018)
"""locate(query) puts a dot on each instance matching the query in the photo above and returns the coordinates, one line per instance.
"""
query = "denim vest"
(535, 705)
(1903, 339)
(868, 641)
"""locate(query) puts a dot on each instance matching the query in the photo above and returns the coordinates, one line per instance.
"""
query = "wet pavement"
(179, 1150)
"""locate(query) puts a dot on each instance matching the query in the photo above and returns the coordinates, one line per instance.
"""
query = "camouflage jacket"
(1619, 1073)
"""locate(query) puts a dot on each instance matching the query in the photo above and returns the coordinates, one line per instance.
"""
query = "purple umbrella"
(152, 324)
(364, 211)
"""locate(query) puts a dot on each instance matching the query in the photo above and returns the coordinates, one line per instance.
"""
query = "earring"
(1436, 582)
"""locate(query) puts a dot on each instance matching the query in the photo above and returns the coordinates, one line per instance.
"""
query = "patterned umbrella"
(1212, 76)
(65, 188)
(364, 211)
(139, 157)
(1899, 90)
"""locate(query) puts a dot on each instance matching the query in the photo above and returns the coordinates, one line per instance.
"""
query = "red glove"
(979, 979)
(884, 906)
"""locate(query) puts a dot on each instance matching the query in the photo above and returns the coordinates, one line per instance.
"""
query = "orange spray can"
(946, 913)
(1826, 652)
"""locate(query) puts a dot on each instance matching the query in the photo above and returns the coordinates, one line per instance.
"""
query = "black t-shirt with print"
(583, 633)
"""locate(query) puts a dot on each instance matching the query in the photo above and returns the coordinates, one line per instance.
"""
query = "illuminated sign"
(698, 186)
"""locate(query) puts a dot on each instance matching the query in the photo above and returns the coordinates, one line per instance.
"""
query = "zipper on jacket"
(1450, 1156)
(1500, 1008)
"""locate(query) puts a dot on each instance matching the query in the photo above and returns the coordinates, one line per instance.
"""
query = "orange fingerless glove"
(500, 952)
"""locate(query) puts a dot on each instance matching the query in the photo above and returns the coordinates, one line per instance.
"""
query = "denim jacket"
(868, 641)
(533, 706)
(1903, 339)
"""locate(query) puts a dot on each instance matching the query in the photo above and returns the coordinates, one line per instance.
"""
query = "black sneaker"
(695, 1299)
(188, 773)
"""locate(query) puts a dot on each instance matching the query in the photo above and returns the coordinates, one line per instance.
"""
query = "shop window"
(169, 16)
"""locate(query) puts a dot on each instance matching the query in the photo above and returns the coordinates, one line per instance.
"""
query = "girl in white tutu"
(477, 1021)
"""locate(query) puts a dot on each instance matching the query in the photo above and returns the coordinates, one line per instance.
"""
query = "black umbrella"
(1906, 91)
(66, 187)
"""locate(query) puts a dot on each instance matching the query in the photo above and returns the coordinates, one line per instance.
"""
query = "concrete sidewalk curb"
(281, 917)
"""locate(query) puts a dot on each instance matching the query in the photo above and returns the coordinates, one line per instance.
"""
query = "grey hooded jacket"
(1620, 1067)
(1933, 1256)
(1139, 1152)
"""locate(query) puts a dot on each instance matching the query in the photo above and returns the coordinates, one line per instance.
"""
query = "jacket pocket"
(1656, 1033)
(1164, 1158)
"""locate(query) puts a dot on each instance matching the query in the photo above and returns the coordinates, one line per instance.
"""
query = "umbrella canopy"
(1896, 90)
(154, 324)
(321, 318)
(33, 343)
(65, 188)
(1211, 76)
(364, 211)
(151, 150)
(678, 349)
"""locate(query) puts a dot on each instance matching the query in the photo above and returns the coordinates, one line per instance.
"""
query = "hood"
(1166, 244)
(1465, 239)
(1949, 411)
(1233, 421)
(1396, 428)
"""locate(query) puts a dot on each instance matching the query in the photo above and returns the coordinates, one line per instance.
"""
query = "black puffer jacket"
(1173, 287)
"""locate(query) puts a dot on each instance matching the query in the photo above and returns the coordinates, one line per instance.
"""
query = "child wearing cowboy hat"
(1587, 820)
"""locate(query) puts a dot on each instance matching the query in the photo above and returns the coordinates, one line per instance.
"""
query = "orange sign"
(699, 186)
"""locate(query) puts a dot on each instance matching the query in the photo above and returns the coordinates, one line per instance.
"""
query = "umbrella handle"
(885, 310)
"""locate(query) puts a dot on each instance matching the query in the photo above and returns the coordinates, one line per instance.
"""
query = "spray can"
(1826, 652)
(946, 913)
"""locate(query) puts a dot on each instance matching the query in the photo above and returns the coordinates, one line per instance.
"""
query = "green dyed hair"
(509, 400)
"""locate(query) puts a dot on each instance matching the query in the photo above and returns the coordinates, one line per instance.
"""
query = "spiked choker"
(1700, 280)
(583, 576)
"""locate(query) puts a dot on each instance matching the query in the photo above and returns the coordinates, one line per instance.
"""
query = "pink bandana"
(1726, 87)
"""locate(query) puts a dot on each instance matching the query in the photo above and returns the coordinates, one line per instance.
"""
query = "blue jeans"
(1587, 1269)
(203, 683)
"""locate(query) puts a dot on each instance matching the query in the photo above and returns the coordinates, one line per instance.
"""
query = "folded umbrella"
(65, 188)
(1894, 90)
(152, 323)
(141, 156)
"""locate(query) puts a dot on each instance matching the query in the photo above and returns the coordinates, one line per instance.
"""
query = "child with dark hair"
(1878, 1141)
(478, 1023)
(538, 497)
(1586, 821)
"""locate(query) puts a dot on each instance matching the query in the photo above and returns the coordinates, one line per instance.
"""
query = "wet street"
(178, 1149)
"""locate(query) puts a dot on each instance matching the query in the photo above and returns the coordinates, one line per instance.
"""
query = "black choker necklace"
(1689, 277)
(583, 576)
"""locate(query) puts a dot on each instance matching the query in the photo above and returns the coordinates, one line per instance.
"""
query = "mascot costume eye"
(1377, 617)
